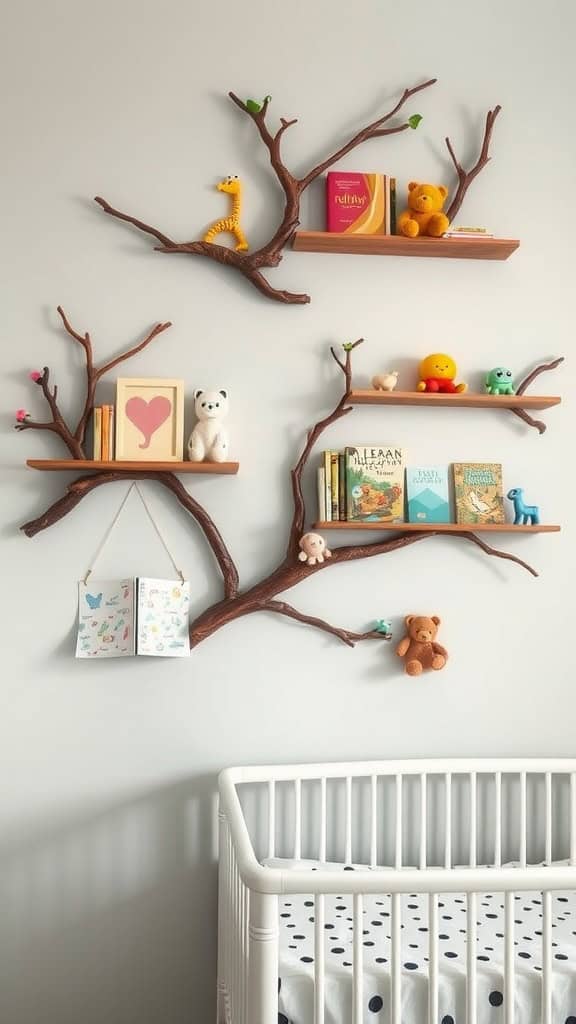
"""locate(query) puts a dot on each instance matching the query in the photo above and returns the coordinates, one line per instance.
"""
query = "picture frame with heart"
(149, 419)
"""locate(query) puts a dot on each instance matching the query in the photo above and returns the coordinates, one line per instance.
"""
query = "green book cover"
(478, 492)
(375, 483)
(427, 494)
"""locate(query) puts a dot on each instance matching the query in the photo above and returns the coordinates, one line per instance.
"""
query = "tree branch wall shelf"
(397, 245)
(61, 465)
(440, 527)
(467, 400)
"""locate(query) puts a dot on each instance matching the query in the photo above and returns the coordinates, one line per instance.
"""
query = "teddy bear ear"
(412, 185)
(198, 392)
(223, 393)
(436, 620)
(409, 619)
(442, 190)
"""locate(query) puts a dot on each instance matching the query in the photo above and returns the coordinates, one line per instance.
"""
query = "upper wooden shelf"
(468, 399)
(52, 465)
(398, 245)
(440, 527)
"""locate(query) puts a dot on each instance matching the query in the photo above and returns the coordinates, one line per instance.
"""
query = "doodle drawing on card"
(105, 619)
(163, 629)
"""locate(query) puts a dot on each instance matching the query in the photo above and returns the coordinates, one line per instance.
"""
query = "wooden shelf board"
(468, 399)
(55, 465)
(398, 245)
(440, 527)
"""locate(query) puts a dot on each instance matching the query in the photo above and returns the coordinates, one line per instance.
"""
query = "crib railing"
(517, 803)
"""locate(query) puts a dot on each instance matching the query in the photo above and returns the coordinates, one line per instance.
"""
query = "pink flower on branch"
(22, 415)
(36, 376)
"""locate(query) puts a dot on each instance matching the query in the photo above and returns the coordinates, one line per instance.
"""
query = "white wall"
(108, 769)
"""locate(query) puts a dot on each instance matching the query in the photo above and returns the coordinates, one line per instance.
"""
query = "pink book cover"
(356, 203)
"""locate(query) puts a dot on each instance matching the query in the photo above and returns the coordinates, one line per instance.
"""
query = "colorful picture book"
(121, 618)
(478, 492)
(360, 204)
(375, 483)
(427, 494)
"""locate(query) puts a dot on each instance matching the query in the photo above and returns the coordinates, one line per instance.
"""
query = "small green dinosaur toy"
(254, 106)
(499, 381)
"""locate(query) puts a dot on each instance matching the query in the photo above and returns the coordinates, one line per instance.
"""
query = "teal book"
(427, 494)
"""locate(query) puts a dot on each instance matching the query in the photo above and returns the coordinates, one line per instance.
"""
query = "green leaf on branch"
(414, 120)
(348, 346)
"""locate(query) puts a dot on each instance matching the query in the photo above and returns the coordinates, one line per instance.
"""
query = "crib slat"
(423, 821)
(373, 820)
(573, 818)
(297, 819)
(473, 816)
(322, 844)
(319, 960)
(245, 911)
(448, 820)
(471, 977)
(398, 834)
(396, 959)
(271, 818)
(548, 817)
(509, 964)
(546, 958)
(522, 843)
(348, 843)
(357, 965)
(433, 959)
(498, 820)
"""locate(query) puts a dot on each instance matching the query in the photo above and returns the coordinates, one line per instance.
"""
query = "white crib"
(424, 830)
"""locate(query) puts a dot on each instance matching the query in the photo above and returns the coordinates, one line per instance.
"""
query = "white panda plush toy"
(208, 441)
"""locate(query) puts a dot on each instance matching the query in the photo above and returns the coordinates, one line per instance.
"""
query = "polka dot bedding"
(296, 959)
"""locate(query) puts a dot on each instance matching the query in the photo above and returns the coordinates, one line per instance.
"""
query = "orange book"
(106, 433)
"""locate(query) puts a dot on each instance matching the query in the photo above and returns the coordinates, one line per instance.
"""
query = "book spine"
(105, 433)
(387, 210)
(321, 483)
(334, 486)
(392, 206)
(97, 433)
(111, 430)
(328, 486)
(342, 486)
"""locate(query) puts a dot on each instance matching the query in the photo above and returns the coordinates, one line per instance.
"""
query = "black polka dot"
(346, 964)
(450, 955)
(279, 983)
(307, 959)
(525, 956)
(377, 924)
(368, 943)
(412, 906)
(337, 949)
(308, 903)
(495, 999)
(298, 936)
(381, 960)
(282, 1019)
(442, 936)
(375, 1004)
(560, 956)
(570, 1020)
(328, 926)
(285, 915)
(448, 1019)
(485, 958)
(410, 966)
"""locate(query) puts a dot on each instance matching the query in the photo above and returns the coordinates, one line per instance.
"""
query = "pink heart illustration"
(148, 416)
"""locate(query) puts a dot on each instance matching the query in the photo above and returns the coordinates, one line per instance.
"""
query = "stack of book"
(103, 433)
(360, 204)
(370, 484)
(464, 232)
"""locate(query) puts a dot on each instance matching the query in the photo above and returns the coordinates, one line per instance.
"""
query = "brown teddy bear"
(418, 647)
(424, 214)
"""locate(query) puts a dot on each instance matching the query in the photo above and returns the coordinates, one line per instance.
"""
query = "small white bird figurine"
(478, 505)
(385, 381)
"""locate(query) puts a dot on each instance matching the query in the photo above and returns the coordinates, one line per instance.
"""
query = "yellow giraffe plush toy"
(233, 186)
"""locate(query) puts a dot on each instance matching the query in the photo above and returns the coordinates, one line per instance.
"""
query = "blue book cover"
(427, 494)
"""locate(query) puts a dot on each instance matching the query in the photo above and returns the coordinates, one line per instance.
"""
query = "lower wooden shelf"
(398, 245)
(441, 527)
(59, 465)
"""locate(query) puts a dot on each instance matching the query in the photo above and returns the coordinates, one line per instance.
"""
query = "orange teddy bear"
(424, 215)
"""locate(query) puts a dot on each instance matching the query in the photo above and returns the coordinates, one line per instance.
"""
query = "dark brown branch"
(535, 373)
(466, 177)
(251, 264)
(347, 636)
(523, 415)
(84, 485)
(58, 425)
(340, 409)
(371, 131)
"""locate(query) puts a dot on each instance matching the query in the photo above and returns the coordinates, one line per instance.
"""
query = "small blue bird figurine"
(383, 626)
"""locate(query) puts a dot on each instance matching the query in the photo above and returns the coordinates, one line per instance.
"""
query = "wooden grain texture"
(440, 527)
(469, 399)
(398, 245)
(58, 465)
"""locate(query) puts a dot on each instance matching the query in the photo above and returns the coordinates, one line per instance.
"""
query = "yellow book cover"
(375, 483)
(334, 486)
(97, 433)
(478, 492)
(328, 485)
(106, 433)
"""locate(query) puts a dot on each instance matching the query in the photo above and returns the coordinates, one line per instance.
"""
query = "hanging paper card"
(105, 619)
(162, 618)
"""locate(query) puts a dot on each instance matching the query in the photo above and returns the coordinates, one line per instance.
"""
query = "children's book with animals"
(427, 494)
(121, 618)
(478, 492)
(375, 483)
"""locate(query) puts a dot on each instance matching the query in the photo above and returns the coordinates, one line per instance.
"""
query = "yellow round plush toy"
(424, 214)
(438, 373)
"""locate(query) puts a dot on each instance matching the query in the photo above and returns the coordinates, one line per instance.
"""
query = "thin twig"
(349, 637)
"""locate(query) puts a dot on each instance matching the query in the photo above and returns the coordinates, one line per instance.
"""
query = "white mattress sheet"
(296, 961)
